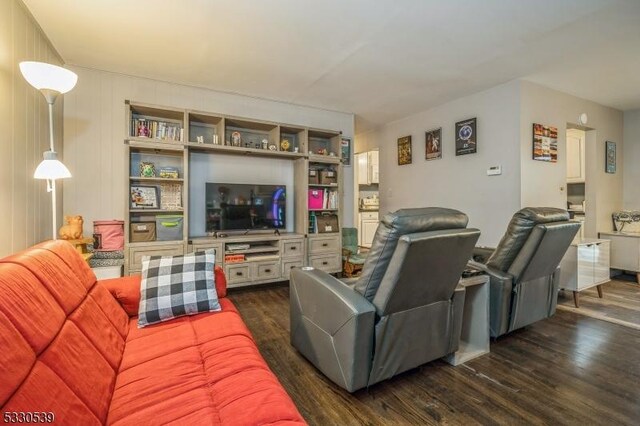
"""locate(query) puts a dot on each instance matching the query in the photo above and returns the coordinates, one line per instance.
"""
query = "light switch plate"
(494, 171)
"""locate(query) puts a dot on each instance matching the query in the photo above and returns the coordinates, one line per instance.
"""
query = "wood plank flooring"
(620, 304)
(569, 369)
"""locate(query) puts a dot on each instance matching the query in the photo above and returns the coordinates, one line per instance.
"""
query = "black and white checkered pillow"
(174, 286)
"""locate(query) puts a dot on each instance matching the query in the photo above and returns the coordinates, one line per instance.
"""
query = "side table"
(474, 338)
(585, 265)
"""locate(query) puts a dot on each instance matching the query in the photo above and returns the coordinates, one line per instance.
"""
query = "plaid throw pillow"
(174, 286)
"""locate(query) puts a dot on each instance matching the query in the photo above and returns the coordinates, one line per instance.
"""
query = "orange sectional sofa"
(69, 347)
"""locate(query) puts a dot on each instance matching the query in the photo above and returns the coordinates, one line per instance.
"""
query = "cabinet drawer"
(266, 271)
(369, 216)
(287, 266)
(137, 253)
(237, 273)
(331, 263)
(324, 245)
(292, 248)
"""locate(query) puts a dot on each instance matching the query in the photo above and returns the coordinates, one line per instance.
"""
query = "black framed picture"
(610, 157)
(433, 144)
(144, 197)
(466, 137)
(404, 150)
(345, 149)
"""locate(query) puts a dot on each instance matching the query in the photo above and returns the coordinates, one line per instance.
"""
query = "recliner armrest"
(489, 270)
(327, 301)
(482, 254)
(501, 287)
(332, 326)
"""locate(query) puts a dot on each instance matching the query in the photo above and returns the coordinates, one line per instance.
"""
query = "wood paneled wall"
(24, 202)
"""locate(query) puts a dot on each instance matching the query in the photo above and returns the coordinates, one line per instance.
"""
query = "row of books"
(330, 199)
(145, 128)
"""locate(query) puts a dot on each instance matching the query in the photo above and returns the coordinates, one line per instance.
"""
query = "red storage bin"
(108, 235)
(316, 197)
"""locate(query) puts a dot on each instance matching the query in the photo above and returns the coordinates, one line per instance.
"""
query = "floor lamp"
(51, 81)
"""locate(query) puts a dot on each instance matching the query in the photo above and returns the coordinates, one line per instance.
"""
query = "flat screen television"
(243, 207)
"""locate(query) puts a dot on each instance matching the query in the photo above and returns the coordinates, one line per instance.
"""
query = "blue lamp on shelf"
(51, 81)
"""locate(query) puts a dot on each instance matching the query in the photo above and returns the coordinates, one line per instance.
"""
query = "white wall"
(456, 182)
(632, 160)
(545, 183)
(505, 115)
(95, 127)
(24, 132)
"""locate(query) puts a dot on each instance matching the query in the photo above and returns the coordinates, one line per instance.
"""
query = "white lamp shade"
(51, 168)
(46, 76)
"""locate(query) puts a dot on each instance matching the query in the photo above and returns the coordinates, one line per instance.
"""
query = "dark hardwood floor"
(570, 369)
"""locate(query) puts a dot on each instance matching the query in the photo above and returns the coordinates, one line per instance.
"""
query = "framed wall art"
(404, 150)
(545, 143)
(144, 197)
(433, 144)
(345, 149)
(466, 137)
(610, 157)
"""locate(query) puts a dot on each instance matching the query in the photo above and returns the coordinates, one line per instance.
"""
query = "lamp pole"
(50, 96)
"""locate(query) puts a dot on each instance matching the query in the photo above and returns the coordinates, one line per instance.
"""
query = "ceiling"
(381, 60)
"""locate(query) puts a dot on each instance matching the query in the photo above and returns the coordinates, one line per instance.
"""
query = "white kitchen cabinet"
(575, 156)
(368, 226)
(373, 169)
(368, 169)
(363, 168)
(586, 264)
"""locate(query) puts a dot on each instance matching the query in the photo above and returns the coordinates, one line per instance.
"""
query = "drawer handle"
(325, 244)
(293, 248)
(268, 271)
(239, 274)
(325, 263)
(291, 267)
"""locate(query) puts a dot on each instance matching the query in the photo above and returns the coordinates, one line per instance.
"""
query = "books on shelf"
(154, 129)
(330, 199)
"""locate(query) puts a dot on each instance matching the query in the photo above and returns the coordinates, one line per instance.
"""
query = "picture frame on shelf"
(144, 197)
(610, 157)
(404, 151)
(433, 144)
(345, 150)
(545, 143)
(466, 137)
(147, 169)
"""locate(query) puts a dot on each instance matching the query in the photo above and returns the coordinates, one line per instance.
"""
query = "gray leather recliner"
(403, 311)
(524, 267)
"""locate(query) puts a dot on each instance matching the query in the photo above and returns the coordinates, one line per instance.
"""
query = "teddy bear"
(73, 228)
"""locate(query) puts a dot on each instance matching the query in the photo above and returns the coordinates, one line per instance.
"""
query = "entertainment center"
(256, 239)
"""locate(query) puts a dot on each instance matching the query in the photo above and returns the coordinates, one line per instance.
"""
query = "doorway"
(576, 175)
(367, 174)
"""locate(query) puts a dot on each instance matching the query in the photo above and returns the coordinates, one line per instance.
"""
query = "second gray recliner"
(524, 267)
(404, 310)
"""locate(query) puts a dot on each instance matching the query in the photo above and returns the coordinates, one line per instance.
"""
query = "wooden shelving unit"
(213, 133)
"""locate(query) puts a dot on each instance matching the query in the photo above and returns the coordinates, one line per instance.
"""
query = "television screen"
(240, 207)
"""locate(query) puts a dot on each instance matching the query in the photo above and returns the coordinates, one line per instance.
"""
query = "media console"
(158, 148)
(267, 258)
